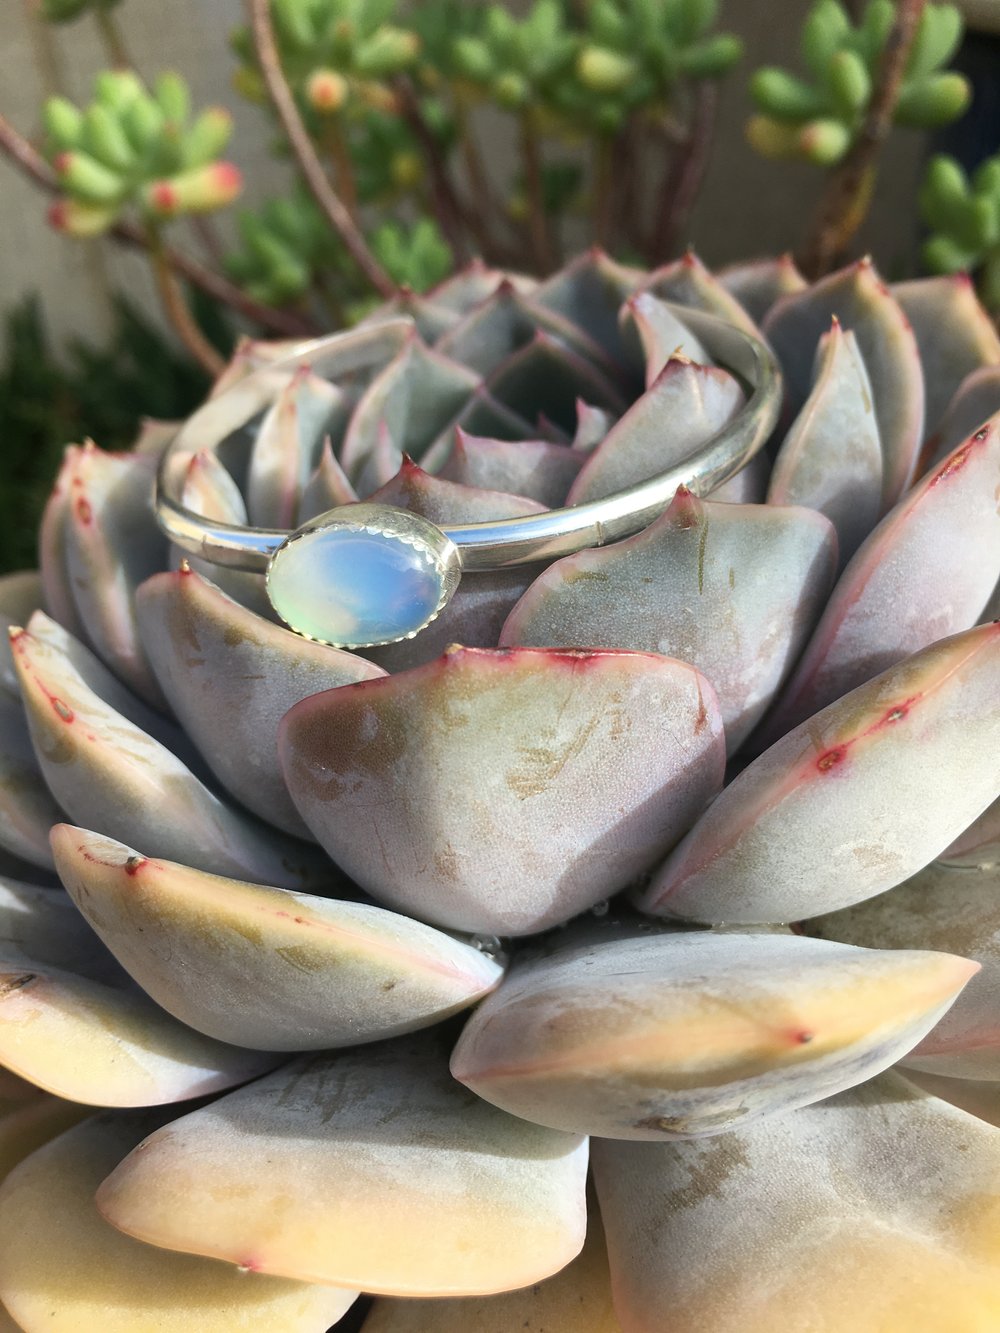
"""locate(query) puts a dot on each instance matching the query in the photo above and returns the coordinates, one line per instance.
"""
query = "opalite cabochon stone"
(354, 588)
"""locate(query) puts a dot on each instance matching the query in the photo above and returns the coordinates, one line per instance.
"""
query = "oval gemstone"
(355, 586)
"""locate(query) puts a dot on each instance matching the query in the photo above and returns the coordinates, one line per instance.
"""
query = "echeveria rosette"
(298, 869)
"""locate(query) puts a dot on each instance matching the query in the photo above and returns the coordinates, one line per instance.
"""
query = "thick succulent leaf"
(956, 910)
(288, 444)
(534, 468)
(748, 486)
(660, 334)
(59, 599)
(27, 810)
(979, 845)
(154, 436)
(416, 396)
(688, 282)
(863, 304)
(980, 1097)
(262, 967)
(694, 1033)
(853, 801)
(576, 1300)
(759, 284)
(430, 319)
(20, 595)
(686, 405)
(592, 424)
(875, 1210)
(113, 542)
(925, 572)
(29, 1118)
(64, 1269)
(252, 354)
(109, 775)
(465, 771)
(542, 381)
(327, 488)
(108, 687)
(230, 677)
(40, 926)
(349, 358)
(208, 489)
(732, 589)
(473, 284)
(477, 610)
(976, 399)
(831, 459)
(507, 321)
(73, 1023)
(589, 292)
(954, 334)
(370, 1169)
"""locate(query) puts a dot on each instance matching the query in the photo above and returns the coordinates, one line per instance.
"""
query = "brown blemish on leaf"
(134, 864)
(830, 758)
(708, 1174)
(15, 982)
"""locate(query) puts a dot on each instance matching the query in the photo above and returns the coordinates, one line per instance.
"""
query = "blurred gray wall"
(748, 206)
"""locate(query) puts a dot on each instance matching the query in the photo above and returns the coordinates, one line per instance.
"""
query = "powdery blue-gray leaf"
(263, 967)
(660, 334)
(831, 459)
(685, 406)
(757, 285)
(863, 304)
(853, 801)
(505, 791)
(955, 335)
(979, 845)
(72, 1022)
(874, 1210)
(537, 469)
(952, 909)
(576, 1300)
(976, 399)
(684, 1035)
(287, 448)
(687, 281)
(63, 1268)
(230, 677)
(732, 589)
(589, 292)
(113, 542)
(380, 1171)
(109, 775)
(925, 572)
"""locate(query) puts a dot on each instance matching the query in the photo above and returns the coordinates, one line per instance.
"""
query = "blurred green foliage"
(101, 392)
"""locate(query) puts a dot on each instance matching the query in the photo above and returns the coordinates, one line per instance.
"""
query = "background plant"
(380, 109)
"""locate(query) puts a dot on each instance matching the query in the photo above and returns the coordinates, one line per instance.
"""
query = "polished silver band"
(501, 542)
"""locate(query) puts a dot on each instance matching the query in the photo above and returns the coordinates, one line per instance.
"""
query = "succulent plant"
(818, 118)
(332, 998)
(964, 218)
(139, 149)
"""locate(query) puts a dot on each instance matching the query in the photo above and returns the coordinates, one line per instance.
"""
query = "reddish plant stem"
(603, 190)
(848, 194)
(538, 222)
(178, 312)
(682, 179)
(305, 154)
(30, 162)
(452, 216)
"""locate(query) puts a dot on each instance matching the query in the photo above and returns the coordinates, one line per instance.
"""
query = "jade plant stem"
(177, 310)
(848, 195)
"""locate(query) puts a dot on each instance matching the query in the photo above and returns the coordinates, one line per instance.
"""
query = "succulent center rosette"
(357, 903)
